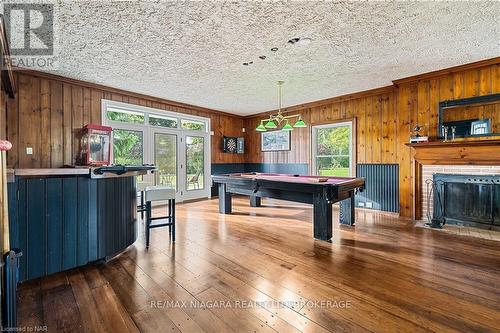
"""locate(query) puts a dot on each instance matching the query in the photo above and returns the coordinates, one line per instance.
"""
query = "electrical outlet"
(369, 205)
(29, 151)
(361, 204)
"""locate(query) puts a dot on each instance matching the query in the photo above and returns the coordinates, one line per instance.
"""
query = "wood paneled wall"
(49, 109)
(376, 138)
(419, 103)
(3, 113)
(384, 118)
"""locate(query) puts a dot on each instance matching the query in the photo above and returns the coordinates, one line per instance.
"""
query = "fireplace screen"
(468, 199)
(468, 202)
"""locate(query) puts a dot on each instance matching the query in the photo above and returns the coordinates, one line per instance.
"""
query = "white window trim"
(147, 111)
(314, 148)
(149, 130)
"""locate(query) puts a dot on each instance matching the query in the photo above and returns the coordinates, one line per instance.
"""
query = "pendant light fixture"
(274, 121)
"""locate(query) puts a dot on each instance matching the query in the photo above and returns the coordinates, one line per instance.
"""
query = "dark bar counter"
(65, 218)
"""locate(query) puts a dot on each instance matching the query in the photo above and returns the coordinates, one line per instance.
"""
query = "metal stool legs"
(148, 221)
(142, 207)
(170, 218)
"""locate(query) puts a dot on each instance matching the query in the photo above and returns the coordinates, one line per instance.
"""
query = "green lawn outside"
(339, 172)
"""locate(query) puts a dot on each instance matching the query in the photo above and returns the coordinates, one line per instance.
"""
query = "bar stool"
(141, 208)
(160, 193)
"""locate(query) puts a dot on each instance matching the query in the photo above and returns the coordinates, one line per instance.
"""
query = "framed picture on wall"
(275, 140)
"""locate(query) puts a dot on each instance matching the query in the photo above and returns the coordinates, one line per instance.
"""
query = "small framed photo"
(275, 140)
(480, 127)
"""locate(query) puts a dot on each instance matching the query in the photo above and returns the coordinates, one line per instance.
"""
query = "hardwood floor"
(384, 275)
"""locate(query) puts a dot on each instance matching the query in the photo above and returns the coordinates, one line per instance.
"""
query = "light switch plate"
(29, 151)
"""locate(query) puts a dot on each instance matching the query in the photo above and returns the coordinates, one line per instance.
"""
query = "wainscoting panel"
(288, 168)
(382, 187)
(223, 168)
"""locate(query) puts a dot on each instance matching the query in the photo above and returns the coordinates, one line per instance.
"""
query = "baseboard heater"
(10, 278)
(381, 187)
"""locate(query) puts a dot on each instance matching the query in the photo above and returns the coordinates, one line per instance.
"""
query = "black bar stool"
(160, 193)
(141, 208)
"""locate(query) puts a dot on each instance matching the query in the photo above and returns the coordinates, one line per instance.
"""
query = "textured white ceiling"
(192, 52)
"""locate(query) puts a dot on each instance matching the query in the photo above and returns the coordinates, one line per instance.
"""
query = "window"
(127, 147)
(177, 143)
(125, 116)
(160, 121)
(192, 125)
(165, 157)
(129, 115)
(332, 149)
(195, 163)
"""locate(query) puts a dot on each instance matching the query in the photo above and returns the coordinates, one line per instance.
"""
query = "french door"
(194, 165)
(178, 144)
(182, 161)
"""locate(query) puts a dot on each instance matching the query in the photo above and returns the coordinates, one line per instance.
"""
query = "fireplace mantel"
(479, 152)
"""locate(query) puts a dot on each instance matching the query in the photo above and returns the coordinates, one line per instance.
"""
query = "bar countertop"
(49, 172)
(93, 172)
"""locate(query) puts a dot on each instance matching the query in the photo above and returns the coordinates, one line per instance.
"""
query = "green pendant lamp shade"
(300, 123)
(287, 127)
(276, 120)
(270, 124)
(261, 127)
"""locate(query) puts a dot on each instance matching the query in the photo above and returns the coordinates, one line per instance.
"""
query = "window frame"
(138, 109)
(352, 147)
(149, 130)
(157, 116)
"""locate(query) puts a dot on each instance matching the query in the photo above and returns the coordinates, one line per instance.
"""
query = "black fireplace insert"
(469, 200)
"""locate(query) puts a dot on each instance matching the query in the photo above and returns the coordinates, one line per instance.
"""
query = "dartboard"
(230, 144)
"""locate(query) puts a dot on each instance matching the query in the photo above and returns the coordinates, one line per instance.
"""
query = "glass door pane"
(165, 156)
(127, 147)
(195, 163)
(333, 150)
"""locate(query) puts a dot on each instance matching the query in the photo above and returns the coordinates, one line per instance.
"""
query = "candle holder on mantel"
(445, 133)
(416, 137)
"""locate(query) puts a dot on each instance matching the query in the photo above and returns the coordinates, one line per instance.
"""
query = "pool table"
(319, 191)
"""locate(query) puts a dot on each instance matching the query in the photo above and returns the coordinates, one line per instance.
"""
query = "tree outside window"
(332, 154)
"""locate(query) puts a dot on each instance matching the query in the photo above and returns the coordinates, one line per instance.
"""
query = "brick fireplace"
(428, 172)
(478, 157)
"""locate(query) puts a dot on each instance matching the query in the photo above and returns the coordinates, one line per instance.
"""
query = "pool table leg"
(225, 202)
(322, 217)
(255, 201)
(347, 214)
